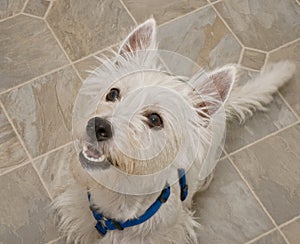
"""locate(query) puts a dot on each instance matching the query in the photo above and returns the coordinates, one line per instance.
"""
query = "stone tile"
(227, 211)
(162, 11)
(42, 110)
(91, 63)
(55, 169)
(272, 238)
(253, 59)
(272, 169)
(10, 7)
(37, 7)
(11, 151)
(86, 65)
(81, 33)
(259, 24)
(261, 124)
(292, 232)
(24, 215)
(60, 241)
(202, 37)
(291, 90)
(27, 50)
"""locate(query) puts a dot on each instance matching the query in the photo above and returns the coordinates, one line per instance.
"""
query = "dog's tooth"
(102, 158)
(84, 154)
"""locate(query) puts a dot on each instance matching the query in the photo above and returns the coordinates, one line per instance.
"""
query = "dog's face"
(146, 119)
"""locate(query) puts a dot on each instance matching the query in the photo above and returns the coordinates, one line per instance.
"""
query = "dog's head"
(145, 119)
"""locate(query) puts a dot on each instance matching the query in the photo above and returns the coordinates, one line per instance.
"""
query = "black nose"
(99, 129)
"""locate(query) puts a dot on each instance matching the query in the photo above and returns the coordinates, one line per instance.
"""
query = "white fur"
(187, 137)
(257, 93)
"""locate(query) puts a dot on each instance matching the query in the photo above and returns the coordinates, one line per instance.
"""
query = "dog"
(148, 140)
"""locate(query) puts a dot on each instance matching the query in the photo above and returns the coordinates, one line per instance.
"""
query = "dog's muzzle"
(98, 130)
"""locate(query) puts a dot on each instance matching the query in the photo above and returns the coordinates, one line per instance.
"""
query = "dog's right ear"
(213, 89)
(141, 38)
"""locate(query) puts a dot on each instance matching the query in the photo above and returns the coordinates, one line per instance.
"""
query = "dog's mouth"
(92, 158)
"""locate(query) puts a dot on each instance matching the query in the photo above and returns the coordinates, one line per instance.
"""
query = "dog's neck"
(120, 206)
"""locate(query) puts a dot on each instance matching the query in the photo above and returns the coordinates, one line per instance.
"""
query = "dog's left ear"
(213, 90)
(141, 38)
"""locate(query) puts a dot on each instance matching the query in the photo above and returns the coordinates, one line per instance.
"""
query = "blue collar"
(104, 224)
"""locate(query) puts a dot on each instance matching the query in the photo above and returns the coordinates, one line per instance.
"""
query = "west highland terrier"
(148, 139)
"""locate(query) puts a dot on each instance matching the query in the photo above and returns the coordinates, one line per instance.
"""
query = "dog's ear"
(141, 38)
(212, 90)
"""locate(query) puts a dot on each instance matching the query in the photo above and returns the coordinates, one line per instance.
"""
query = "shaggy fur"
(192, 110)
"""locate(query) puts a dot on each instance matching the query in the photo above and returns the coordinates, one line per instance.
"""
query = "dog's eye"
(154, 121)
(113, 95)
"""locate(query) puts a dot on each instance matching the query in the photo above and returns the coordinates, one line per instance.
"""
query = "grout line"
(52, 150)
(289, 221)
(25, 149)
(256, 50)
(12, 168)
(54, 241)
(55, 70)
(257, 199)
(241, 56)
(61, 47)
(224, 157)
(249, 69)
(58, 42)
(289, 106)
(42, 180)
(184, 15)
(48, 9)
(228, 27)
(33, 16)
(215, 1)
(10, 17)
(279, 93)
(263, 138)
(129, 13)
(284, 45)
(260, 236)
(96, 53)
(24, 6)
(266, 61)
(33, 79)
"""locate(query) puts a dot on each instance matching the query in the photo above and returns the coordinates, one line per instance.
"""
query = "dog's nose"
(99, 129)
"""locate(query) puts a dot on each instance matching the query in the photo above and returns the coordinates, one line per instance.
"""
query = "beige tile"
(261, 124)
(86, 65)
(272, 238)
(161, 10)
(24, 215)
(27, 50)
(86, 28)
(37, 7)
(42, 110)
(272, 169)
(11, 151)
(202, 37)
(10, 7)
(227, 211)
(291, 90)
(259, 24)
(55, 169)
(60, 241)
(292, 232)
(89, 64)
(253, 59)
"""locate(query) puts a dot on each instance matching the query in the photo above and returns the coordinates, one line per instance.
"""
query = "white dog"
(150, 142)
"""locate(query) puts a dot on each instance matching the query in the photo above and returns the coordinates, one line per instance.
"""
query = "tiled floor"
(45, 48)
